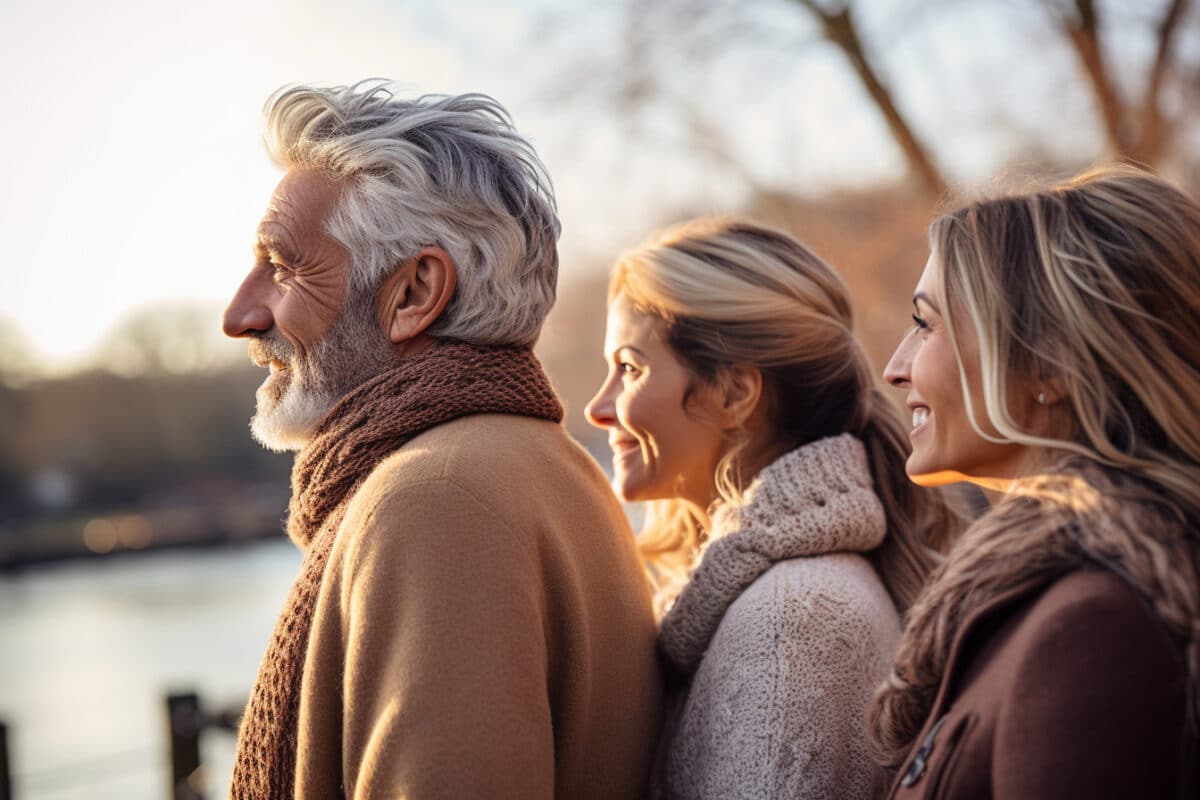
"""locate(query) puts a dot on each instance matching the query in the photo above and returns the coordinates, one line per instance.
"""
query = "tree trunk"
(1083, 33)
(1152, 135)
(839, 29)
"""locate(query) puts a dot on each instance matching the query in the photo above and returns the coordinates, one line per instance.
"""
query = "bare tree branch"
(1082, 31)
(1151, 133)
(840, 30)
(708, 140)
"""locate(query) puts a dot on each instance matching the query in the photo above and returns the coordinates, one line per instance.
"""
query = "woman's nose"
(600, 410)
(897, 371)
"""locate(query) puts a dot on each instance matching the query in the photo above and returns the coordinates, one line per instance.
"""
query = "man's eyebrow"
(267, 242)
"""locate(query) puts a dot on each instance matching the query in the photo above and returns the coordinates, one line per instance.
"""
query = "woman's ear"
(739, 390)
(416, 294)
(1049, 390)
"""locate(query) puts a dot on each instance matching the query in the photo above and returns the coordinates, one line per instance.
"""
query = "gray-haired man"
(470, 619)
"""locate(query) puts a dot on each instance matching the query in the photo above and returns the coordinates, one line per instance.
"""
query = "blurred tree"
(174, 338)
(1042, 86)
(1137, 129)
(838, 26)
(17, 361)
(128, 442)
(666, 49)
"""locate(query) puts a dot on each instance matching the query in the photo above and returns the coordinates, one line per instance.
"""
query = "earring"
(1041, 398)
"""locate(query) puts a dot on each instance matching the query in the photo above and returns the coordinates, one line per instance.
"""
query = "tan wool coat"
(484, 628)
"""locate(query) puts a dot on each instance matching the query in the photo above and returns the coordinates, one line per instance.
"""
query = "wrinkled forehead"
(302, 199)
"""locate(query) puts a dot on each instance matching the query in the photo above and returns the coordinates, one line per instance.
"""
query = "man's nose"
(897, 371)
(600, 410)
(248, 312)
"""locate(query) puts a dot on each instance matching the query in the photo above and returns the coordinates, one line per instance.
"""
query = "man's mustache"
(266, 347)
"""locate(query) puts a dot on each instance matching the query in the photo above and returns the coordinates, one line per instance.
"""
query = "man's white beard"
(289, 422)
(350, 352)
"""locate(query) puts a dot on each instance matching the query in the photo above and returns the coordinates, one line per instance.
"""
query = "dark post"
(183, 714)
(5, 778)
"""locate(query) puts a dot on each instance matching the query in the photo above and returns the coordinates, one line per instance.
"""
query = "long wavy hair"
(1091, 286)
(731, 292)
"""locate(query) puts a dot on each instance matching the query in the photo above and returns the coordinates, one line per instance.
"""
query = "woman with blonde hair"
(782, 535)
(1056, 359)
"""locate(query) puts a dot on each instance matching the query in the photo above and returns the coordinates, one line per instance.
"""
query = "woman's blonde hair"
(1090, 291)
(730, 292)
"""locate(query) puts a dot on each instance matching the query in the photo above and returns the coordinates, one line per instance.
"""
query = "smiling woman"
(783, 535)
(666, 441)
(1056, 652)
(951, 439)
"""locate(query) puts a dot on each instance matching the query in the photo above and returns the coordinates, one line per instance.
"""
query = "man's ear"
(416, 294)
(740, 389)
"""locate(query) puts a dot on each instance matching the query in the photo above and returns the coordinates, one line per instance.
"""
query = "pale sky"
(133, 171)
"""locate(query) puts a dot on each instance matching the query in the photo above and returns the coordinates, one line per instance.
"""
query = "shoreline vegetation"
(83, 536)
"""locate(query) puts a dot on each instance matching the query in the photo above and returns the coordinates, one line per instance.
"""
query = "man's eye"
(279, 271)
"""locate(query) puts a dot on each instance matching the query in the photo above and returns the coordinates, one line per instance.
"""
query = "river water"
(89, 650)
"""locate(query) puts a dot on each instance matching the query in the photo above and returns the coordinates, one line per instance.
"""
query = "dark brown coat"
(1061, 689)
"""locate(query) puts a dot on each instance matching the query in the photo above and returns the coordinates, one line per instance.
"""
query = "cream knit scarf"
(816, 499)
(448, 381)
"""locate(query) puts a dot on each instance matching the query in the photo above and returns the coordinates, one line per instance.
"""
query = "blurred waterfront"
(90, 649)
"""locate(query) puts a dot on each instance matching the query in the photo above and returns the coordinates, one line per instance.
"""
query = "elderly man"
(470, 619)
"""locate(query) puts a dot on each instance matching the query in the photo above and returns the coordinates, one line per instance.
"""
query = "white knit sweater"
(780, 637)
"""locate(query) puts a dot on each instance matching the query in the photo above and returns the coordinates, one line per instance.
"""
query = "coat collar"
(999, 605)
(816, 499)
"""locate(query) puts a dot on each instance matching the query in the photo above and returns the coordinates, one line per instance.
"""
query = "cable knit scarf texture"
(447, 381)
(816, 499)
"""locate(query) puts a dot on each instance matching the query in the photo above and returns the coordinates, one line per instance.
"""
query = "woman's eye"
(920, 322)
(625, 368)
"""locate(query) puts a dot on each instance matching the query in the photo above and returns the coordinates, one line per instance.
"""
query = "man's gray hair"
(439, 170)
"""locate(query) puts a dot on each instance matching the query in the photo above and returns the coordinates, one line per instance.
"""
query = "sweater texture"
(448, 381)
(777, 641)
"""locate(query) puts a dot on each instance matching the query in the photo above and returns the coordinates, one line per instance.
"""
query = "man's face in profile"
(296, 308)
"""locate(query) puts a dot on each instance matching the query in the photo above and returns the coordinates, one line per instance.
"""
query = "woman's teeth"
(920, 416)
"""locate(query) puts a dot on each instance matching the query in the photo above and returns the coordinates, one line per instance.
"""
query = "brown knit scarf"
(448, 381)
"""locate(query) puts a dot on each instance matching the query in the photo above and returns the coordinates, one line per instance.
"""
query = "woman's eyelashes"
(920, 322)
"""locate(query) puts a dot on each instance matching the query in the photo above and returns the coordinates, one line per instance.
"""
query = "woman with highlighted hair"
(782, 535)
(1055, 359)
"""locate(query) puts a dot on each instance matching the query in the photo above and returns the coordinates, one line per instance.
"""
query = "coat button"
(917, 767)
